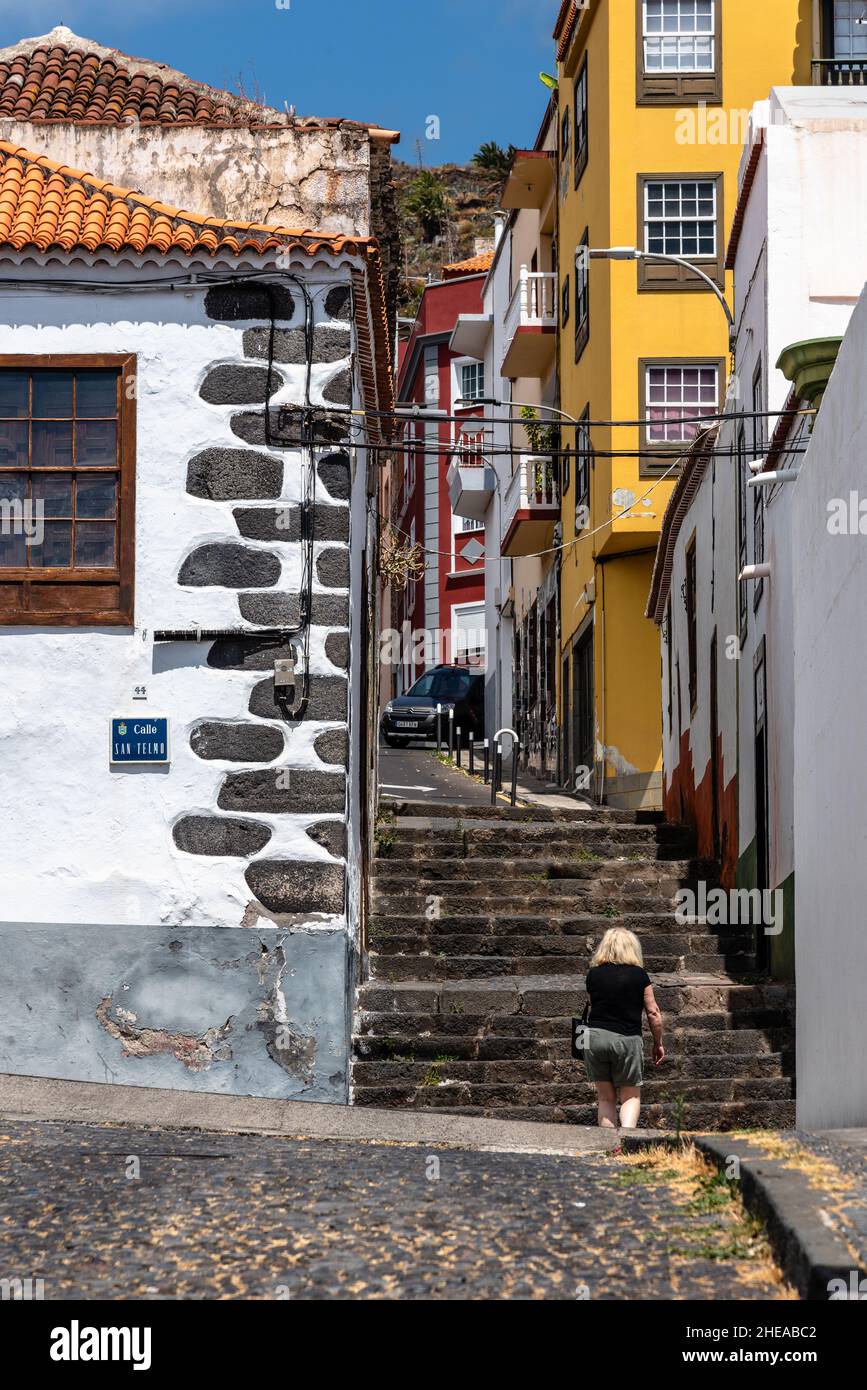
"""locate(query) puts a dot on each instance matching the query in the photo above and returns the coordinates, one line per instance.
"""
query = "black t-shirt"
(617, 998)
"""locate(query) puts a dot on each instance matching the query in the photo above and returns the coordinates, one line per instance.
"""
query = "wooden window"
(581, 151)
(582, 296)
(675, 395)
(690, 598)
(583, 460)
(678, 47)
(67, 491)
(681, 215)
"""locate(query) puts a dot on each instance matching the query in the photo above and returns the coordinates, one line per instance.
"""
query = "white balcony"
(531, 326)
(531, 508)
(471, 479)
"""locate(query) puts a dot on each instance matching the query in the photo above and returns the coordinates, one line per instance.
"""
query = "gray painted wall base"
(243, 1012)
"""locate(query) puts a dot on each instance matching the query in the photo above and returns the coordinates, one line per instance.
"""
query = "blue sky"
(472, 63)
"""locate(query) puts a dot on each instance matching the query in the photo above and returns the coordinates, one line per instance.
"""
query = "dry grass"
(710, 1221)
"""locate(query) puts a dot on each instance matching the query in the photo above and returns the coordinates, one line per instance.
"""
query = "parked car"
(412, 718)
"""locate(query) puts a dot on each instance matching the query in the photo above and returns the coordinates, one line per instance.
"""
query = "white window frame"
(686, 408)
(469, 364)
(478, 604)
(846, 30)
(685, 43)
(682, 218)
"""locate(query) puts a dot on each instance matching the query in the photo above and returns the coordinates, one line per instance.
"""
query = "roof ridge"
(62, 37)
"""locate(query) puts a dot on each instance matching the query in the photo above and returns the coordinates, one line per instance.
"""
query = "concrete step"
(576, 941)
(547, 996)
(428, 810)
(447, 1069)
(575, 1091)
(544, 875)
(695, 1116)
(738, 1052)
(658, 926)
(448, 965)
(502, 1036)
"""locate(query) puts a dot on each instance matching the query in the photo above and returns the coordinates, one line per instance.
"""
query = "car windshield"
(443, 685)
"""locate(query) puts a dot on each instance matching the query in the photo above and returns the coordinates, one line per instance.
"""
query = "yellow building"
(654, 96)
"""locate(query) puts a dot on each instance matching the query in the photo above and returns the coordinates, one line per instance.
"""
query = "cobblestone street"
(123, 1213)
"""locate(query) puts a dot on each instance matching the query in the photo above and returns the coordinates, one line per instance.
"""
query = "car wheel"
(394, 742)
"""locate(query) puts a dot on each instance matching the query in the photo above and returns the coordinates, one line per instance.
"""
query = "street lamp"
(631, 253)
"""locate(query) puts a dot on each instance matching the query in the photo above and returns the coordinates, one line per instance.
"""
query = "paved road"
(123, 1213)
(415, 774)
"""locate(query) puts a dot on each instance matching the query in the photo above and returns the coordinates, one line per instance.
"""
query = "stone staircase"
(481, 930)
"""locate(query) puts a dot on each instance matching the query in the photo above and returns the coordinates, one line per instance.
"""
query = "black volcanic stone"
(221, 475)
(290, 348)
(248, 653)
(229, 566)
(331, 835)
(284, 610)
(334, 474)
(338, 303)
(220, 836)
(235, 303)
(284, 523)
(282, 790)
(229, 385)
(236, 743)
(337, 649)
(332, 568)
(328, 697)
(339, 391)
(284, 886)
(332, 746)
(286, 427)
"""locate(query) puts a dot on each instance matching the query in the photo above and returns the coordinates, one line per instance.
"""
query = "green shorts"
(613, 1057)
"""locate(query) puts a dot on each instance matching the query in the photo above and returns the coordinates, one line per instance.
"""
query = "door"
(583, 715)
(714, 751)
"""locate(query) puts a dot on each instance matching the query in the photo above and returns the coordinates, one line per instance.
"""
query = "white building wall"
(830, 674)
(97, 896)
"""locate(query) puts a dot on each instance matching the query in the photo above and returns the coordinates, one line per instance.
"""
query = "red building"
(442, 615)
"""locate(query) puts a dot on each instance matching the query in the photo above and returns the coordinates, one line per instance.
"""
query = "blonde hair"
(618, 947)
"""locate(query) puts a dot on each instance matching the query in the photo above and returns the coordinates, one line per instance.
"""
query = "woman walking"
(619, 988)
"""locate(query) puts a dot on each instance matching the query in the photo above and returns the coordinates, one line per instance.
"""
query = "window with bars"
(66, 490)
(680, 217)
(679, 35)
(581, 149)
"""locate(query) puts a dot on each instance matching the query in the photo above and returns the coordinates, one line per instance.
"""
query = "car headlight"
(389, 709)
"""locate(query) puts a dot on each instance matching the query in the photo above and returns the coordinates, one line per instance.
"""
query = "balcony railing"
(531, 505)
(530, 323)
(840, 72)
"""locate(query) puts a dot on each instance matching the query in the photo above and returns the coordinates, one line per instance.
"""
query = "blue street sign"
(140, 739)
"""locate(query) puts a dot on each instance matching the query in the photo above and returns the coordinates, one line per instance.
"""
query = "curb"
(808, 1251)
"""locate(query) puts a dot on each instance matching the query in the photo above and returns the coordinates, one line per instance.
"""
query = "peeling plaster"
(196, 1053)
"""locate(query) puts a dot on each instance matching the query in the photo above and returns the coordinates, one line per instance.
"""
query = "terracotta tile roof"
(476, 265)
(45, 205)
(61, 77)
(565, 27)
